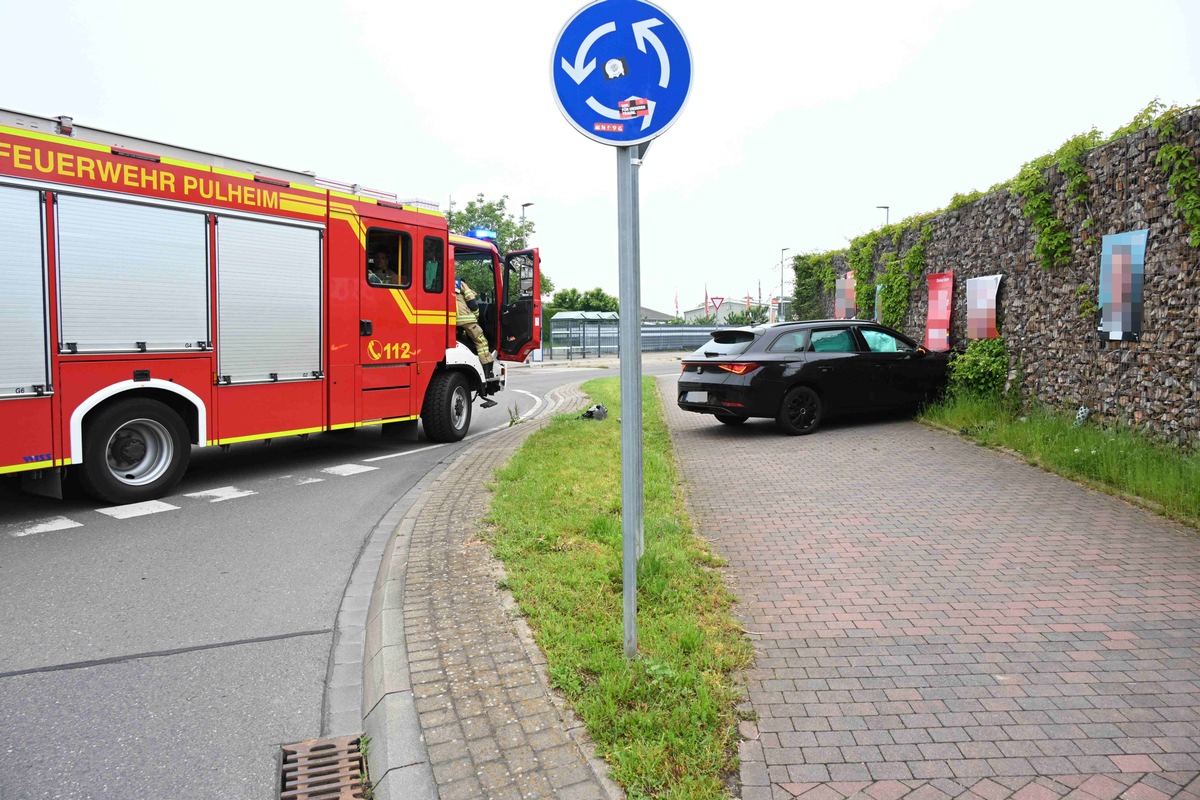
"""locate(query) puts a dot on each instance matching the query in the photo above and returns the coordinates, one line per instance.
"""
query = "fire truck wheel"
(446, 414)
(134, 451)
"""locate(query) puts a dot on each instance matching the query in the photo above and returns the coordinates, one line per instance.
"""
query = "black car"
(798, 373)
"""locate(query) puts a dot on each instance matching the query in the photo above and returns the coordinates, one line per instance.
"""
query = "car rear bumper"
(732, 397)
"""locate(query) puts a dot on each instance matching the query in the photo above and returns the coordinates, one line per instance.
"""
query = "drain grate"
(323, 769)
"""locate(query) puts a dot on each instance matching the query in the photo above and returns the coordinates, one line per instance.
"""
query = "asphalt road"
(169, 654)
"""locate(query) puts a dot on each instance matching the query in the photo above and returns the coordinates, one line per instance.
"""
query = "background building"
(729, 306)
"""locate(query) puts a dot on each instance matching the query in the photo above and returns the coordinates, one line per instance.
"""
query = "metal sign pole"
(641, 85)
(631, 385)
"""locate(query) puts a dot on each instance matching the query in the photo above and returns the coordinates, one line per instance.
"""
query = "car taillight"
(738, 369)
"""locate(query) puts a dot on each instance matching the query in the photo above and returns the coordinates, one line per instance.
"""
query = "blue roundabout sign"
(621, 71)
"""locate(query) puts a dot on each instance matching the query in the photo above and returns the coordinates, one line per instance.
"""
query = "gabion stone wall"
(1057, 356)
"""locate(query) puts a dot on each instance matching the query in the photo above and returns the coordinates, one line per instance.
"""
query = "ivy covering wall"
(1042, 231)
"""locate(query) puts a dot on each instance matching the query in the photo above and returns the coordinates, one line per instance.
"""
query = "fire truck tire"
(446, 413)
(133, 451)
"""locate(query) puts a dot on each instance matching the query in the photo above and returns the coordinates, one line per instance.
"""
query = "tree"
(598, 300)
(813, 273)
(592, 300)
(755, 315)
(511, 234)
(567, 300)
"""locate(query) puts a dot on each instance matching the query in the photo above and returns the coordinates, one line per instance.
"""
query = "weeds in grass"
(1110, 457)
(667, 721)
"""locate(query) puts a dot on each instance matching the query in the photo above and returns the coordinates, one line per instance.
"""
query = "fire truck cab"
(157, 298)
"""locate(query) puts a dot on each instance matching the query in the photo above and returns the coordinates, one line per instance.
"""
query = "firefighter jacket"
(464, 295)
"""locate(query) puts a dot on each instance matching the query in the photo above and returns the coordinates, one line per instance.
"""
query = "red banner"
(937, 326)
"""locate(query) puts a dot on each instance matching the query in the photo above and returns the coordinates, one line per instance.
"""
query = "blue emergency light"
(482, 233)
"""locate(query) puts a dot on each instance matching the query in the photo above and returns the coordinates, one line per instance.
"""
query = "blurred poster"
(937, 325)
(878, 302)
(844, 298)
(981, 307)
(1122, 270)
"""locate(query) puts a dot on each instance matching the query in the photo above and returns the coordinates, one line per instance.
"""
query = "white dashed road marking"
(348, 469)
(405, 453)
(231, 492)
(137, 509)
(49, 526)
(224, 493)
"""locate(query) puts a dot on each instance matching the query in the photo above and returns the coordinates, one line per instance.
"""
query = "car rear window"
(793, 342)
(726, 343)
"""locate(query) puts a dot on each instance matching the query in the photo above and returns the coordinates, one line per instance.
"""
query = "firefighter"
(382, 272)
(465, 318)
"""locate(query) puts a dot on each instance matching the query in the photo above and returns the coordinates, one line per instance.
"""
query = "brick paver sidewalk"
(932, 619)
(492, 727)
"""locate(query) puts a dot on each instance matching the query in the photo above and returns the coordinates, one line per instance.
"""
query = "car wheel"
(730, 419)
(134, 451)
(800, 411)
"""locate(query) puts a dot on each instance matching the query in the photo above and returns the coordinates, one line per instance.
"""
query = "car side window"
(836, 340)
(884, 342)
(793, 342)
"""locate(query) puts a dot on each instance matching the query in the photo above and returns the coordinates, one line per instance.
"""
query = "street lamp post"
(886, 214)
(523, 207)
(782, 250)
(537, 353)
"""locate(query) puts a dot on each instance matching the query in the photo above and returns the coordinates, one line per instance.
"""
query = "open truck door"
(520, 305)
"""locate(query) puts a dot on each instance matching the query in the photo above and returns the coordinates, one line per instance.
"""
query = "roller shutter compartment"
(23, 355)
(131, 274)
(268, 301)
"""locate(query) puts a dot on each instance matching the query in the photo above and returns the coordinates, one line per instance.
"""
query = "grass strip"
(667, 722)
(1115, 459)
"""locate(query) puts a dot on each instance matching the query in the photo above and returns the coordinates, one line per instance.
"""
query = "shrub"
(980, 371)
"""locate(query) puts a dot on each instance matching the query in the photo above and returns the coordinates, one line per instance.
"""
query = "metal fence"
(589, 338)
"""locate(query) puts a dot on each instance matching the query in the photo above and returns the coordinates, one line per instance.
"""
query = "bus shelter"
(582, 334)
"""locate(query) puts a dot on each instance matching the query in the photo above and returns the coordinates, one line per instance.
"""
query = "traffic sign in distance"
(621, 71)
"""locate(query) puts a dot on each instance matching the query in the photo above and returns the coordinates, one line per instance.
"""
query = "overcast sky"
(802, 117)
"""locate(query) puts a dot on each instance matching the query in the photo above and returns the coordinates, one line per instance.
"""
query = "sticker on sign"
(634, 107)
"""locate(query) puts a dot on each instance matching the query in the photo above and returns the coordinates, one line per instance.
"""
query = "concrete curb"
(398, 761)
(342, 714)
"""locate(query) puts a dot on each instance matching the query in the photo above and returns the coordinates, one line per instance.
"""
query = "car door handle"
(825, 369)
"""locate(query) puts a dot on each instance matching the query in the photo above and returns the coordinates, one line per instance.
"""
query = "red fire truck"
(154, 298)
